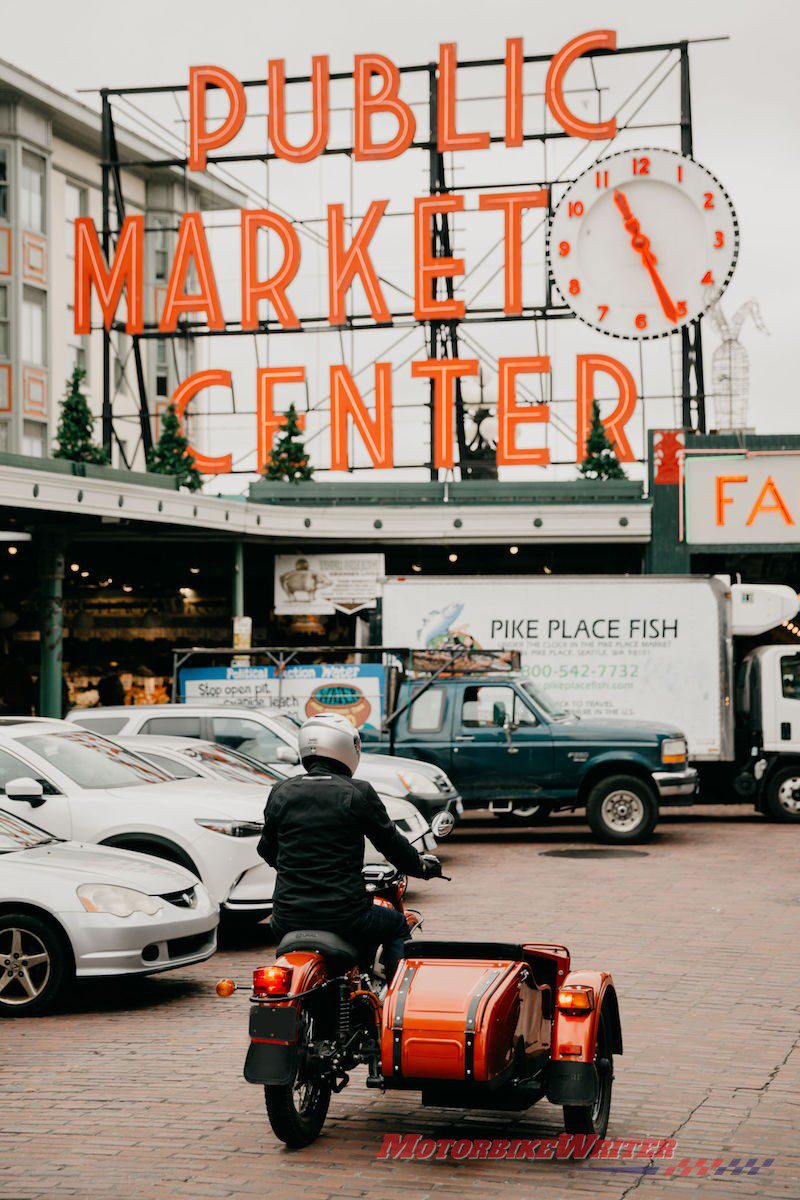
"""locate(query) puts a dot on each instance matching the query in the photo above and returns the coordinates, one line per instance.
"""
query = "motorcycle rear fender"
(572, 1076)
(272, 1055)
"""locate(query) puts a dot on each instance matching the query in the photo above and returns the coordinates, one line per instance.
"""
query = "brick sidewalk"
(136, 1093)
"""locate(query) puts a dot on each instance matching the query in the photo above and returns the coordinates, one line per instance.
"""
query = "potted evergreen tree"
(171, 454)
(76, 426)
(600, 460)
(288, 459)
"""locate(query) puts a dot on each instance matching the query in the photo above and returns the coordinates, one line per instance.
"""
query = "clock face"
(642, 243)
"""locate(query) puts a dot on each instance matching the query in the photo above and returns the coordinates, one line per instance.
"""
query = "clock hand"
(641, 245)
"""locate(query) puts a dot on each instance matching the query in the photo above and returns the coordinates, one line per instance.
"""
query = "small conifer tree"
(76, 426)
(600, 460)
(171, 454)
(289, 459)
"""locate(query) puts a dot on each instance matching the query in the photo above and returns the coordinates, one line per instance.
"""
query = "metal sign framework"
(476, 458)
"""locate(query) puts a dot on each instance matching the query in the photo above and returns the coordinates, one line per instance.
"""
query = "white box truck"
(645, 647)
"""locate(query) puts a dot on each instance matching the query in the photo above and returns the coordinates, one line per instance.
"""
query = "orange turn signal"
(226, 987)
(576, 997)
(272, 981)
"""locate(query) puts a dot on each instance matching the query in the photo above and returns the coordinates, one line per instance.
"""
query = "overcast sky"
(746, 97)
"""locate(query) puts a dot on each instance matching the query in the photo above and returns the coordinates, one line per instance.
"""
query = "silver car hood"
(203, 797)
(103, 864)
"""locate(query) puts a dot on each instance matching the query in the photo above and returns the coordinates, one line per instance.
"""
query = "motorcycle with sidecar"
(468, 1024)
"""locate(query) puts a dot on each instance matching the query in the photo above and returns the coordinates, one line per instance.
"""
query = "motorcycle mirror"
(443, 824)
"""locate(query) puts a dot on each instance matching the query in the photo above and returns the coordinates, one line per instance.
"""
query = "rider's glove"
(431, 867)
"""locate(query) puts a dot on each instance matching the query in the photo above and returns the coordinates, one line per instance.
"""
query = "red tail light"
(272, 981)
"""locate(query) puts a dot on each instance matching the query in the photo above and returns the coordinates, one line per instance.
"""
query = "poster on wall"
(350, 689)
(645, 648)
(327, 583)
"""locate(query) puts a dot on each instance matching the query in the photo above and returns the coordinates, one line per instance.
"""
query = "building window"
(34, 436)
(74, 207)
(5, 324)
(33, 197)
(34, 327)
(4, 184)
(76, 344)
(161, 254)
(162, 368)
(4, 438)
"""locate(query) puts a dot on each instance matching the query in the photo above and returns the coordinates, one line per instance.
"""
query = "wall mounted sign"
(742, 499)
(327, 583)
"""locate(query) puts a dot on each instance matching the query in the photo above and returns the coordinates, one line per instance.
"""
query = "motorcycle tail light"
(272, 981)
(576, 997)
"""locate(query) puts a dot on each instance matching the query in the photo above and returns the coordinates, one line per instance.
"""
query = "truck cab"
(768, 730)
(509, 747)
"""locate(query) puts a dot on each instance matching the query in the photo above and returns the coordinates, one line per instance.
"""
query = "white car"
(270, 736)
(69, 910)
(188, 758)
(79, 786)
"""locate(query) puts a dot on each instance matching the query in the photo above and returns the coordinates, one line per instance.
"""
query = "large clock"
(642, 243)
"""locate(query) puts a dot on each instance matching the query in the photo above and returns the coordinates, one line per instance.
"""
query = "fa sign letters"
(742, 499)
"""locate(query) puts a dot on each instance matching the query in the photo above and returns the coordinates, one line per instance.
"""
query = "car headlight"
(673, 750)
(118, 901)
(414, 781)
(231, 828)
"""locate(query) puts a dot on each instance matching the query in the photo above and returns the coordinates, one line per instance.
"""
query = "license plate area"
(272, 1023)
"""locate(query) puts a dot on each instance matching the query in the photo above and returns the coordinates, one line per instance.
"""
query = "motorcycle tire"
(297, 1111)
(580, 1118)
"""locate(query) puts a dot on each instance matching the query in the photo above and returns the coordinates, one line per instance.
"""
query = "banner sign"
(742, 499)
(599, 647)
(352, 690)
(325, 583)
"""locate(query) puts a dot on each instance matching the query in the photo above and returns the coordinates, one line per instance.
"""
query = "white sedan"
(189, 758)
(71, 910)
(79, 786)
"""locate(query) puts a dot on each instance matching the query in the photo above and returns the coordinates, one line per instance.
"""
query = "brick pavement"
(136, 1092)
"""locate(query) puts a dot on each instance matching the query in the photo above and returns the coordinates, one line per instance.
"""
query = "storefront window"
(34, 438)
(32, 192)
(5, 325)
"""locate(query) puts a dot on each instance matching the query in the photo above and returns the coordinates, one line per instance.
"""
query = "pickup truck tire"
(622, 809)
(783, 794)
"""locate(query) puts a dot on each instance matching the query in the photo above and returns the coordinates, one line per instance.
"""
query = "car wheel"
(594, 1118)
(783, 795)
(35, 965)
(622, 808)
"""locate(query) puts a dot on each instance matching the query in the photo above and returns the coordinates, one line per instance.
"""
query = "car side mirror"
(26, 789)
(500, 716)
(287, 755)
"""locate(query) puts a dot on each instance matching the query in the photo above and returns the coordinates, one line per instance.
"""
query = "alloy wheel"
(25, 966)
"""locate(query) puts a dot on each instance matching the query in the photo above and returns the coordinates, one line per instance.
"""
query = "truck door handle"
(465, 737)
(786, 731)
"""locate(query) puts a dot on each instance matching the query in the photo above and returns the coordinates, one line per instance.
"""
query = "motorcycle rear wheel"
(297, 1111)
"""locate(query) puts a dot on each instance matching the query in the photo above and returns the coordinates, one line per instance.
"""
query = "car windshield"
(20, 835)
(550, 707)
(92, 761)
(227, 764)
(287, 722)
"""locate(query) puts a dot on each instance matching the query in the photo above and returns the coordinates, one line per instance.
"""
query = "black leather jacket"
(314, 831)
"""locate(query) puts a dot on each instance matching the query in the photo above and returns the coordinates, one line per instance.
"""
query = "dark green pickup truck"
(508, 747)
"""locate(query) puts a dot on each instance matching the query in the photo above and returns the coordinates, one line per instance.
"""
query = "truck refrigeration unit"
(681, 649)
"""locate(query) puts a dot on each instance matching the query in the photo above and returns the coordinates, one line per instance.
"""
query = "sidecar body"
(495, 1025)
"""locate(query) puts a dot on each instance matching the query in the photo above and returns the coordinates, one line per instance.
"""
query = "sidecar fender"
(572, 1074)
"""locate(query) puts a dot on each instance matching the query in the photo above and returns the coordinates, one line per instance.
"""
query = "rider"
(314, 830)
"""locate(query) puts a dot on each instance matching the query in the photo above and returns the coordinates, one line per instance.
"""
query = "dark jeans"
(379, 926)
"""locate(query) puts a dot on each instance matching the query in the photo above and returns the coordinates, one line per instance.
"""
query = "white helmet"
(328, 735)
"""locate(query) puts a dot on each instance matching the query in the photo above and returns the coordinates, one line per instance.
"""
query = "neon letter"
(443, 372)
(376, 432)
(427, 267)
(274, 288)
(510, 415)
(513, 204)
(319, 107)
(191, 246)
(387, 100)
(515, 63)
(126, 271)
(779, 506)
(592, 131)
(614, 425)
(187, 391)
(722, 499)
(268, 422)
(447, 137)
(344, 265)
(200, 139)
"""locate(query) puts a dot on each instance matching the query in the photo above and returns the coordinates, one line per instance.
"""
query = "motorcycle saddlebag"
(452, 1018)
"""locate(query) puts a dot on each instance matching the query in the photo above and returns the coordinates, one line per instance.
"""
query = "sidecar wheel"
(297, 1112)
(594, 1118)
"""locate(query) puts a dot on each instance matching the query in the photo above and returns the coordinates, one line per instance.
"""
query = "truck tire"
(783, 795)
(622, 809)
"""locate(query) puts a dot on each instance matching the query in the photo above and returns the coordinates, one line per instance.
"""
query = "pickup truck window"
(427, 713)
(492, 706)
(549, 706)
